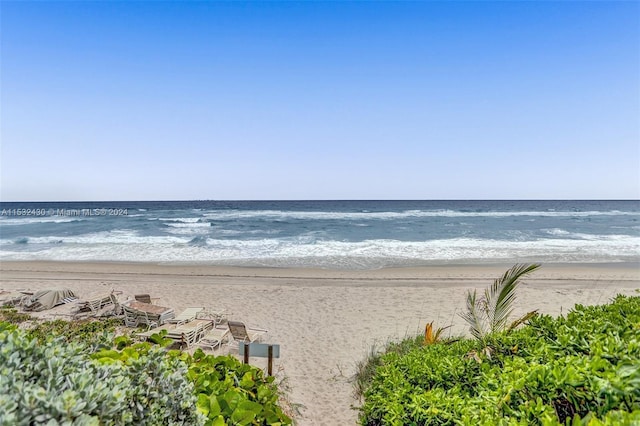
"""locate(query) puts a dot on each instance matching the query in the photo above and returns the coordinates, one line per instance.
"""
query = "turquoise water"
(326, 234)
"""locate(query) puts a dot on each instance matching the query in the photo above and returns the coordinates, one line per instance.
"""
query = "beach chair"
(186, 335)
(217, 315)
(47, 299)
(145, 313)
(13, 298)
(187, 315)
(117, 307)
(214, 338)
(134, 318)
(130, 317)
(145, 298)
(150, 321)
(95, 304)
(146, 334)
(241, 334)
(190, 333)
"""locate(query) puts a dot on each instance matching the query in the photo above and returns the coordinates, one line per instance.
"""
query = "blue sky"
(335, 100)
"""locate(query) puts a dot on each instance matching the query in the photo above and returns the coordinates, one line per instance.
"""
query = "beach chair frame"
(189, 314)
(186, 335)
(240, 333)
(136, 313)
(214, 338)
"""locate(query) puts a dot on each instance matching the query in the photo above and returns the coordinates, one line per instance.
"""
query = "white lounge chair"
(95, 304)
(187, 334)
(137, 313)
(240, 333)
(187, 315)
(217, 315)
(214, 338)
(130, 316)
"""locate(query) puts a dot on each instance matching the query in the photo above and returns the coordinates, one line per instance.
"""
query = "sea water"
(324, 234)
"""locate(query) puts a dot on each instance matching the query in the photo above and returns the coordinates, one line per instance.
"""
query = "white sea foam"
(236, 232)
(189, 225)
(557, 232)
(309, 251)
(178, 219)
(192, 231)
(121, 237)
(4, 221)
(564, 234)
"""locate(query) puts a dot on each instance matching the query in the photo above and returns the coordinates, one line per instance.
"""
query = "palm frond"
(522, 319)
(431, 336)
(501, 296)
(477, 326)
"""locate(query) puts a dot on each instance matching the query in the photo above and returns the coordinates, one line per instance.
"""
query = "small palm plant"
(430, 336)
(491, 313)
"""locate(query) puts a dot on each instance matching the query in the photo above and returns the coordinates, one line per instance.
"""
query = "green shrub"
(56, 382)
(95, 332)
(232, 393)
(583, 369)
(59, 382)
(11, 315)
(84, 376)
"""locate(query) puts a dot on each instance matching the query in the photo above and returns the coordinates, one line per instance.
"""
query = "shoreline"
(281, 271)
(424, 276)
(326, 321)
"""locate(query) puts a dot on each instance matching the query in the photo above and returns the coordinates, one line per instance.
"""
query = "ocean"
(322, 234)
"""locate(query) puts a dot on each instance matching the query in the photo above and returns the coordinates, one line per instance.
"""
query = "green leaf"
(246, 412)
(501, 296)
(491, 313)
(219, 421)
(203, 404)
(247, 381)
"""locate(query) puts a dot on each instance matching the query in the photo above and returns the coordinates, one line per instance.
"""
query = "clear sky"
(336, 100)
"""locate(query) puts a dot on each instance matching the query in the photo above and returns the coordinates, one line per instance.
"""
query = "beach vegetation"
(366, 368)
(578, 369)
(96, 332)
(60, 372)
(57, 382)
(230, 392)
(430, 336)
(161, 339)
(490, 313)
(11, 315)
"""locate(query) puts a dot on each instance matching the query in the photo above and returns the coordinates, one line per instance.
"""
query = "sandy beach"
(328, 320)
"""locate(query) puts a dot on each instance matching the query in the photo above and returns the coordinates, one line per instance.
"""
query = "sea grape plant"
(84, 380)
(580, 370)
(159, 391)
(232, 393)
